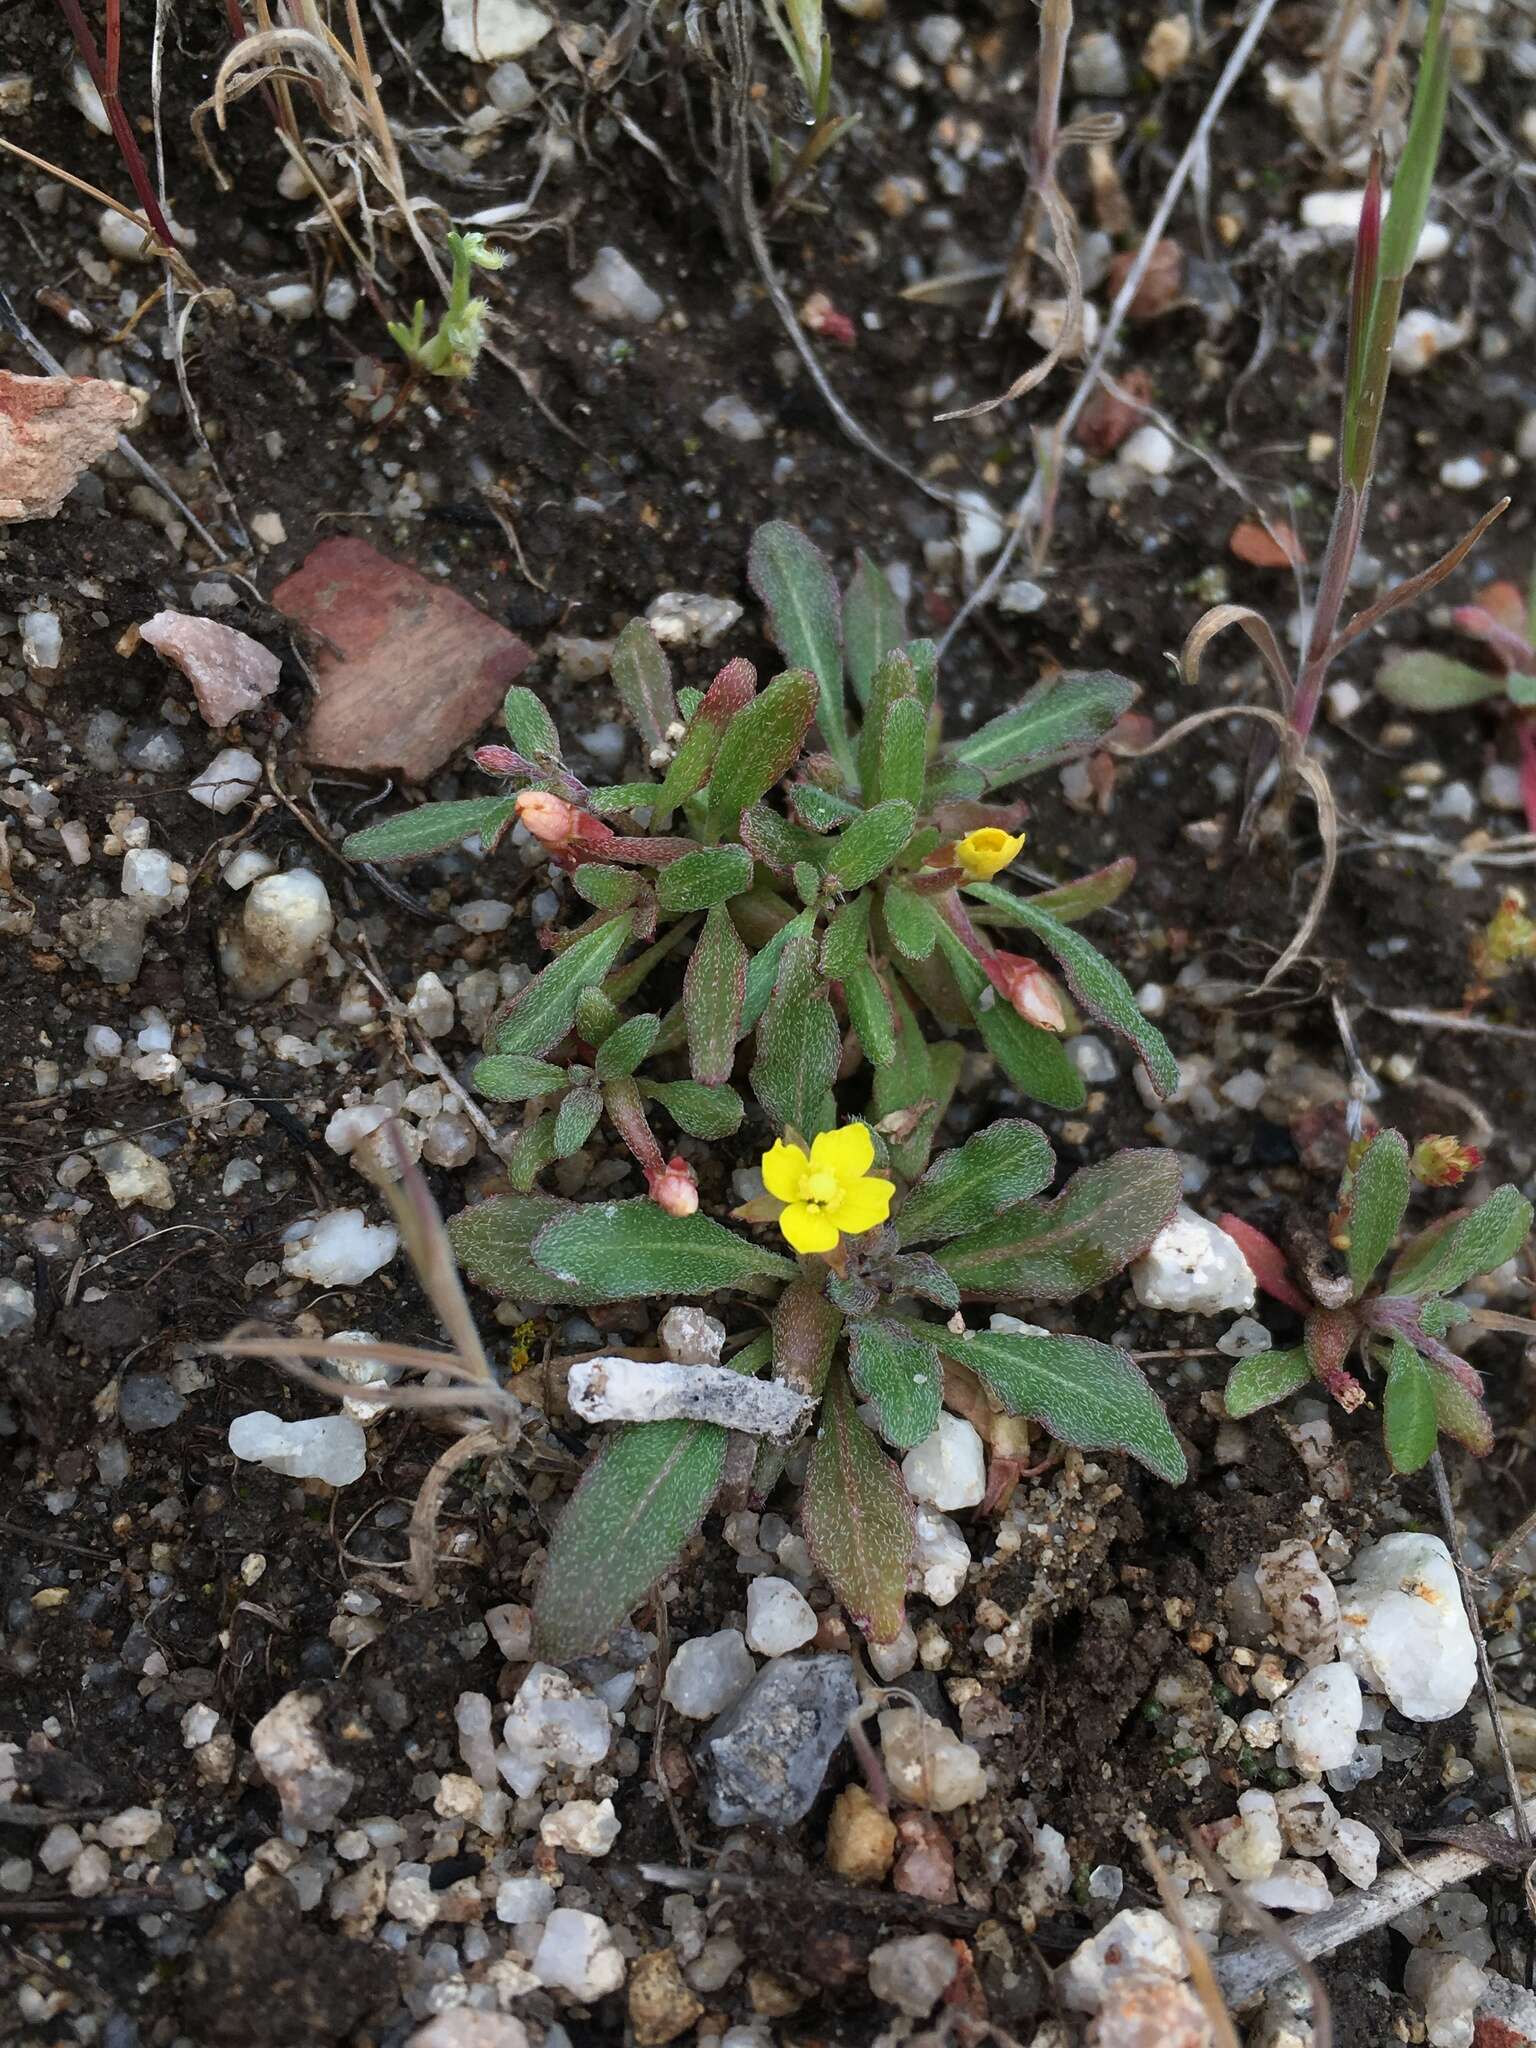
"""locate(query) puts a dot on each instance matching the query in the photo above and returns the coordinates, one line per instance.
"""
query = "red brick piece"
(407, 670)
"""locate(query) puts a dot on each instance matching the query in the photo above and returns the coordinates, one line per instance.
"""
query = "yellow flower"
(830, 1194)
(987, 851)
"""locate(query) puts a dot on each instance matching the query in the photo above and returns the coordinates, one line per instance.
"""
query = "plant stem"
(104, 78)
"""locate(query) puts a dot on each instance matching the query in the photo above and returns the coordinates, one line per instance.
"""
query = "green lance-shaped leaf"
(1410, 1426)
(911, 921)
(971, 1184)
(821, 809)
(761, 745)
(1100, 989)
(777, 842)
(696, 881)
(1106, 1216)
(1463, 1245)
(1423, 681)
(858, 1517)
(714, 990)
(1086, 1394)
(846, 944)
(605, 887)
(725, 699)
(918, 1084)
(1055, 723)
(1034, 1060)
(1267, 1377)
(619, 1251)
(1461, 1414)
(1071, 901)
(492, 1242)
(899, 1372)
(700, 1109)
(798, 591)
(625, 1525)
(535, 1147)
(642, 675)
(869, 1012)
(430, 829)
(874, 622)
(867, 847)
(798, 1048)
(513, 1077)
(806, 1328)
(894, 681)
(901, 757)
(609, 798)
(576, 1119)
(763, 967)
(541, 1014)
(529, 726)
(624, 1048)
(1378, 1202)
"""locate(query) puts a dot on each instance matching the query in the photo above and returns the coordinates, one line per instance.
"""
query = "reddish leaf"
(1267, 1260)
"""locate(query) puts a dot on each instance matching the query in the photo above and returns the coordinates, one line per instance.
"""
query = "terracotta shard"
(51, 430)
(228, 670)
(407, 670)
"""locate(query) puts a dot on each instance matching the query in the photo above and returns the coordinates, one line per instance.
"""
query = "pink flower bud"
(500, 761)
(1028, 987)
(550, 819)
(673, 1187)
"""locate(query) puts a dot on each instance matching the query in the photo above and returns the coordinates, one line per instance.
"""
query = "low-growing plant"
(1505, 622)
(1398, 1326)
(841, 1324)
(453, 347)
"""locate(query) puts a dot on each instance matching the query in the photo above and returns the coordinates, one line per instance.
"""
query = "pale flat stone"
(230, 673)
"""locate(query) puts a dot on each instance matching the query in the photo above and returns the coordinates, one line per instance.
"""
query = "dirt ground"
(145, 1571)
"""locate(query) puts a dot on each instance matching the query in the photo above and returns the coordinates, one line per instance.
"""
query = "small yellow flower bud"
(987, 851)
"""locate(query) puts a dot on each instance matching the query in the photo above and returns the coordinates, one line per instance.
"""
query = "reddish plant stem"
(1525, 736)
(104, 78)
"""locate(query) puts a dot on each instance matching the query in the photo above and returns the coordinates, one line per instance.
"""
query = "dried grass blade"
(1405, 593)
(1259, 631)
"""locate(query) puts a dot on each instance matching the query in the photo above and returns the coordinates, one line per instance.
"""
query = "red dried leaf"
(1268, 1262)
(1267, 547)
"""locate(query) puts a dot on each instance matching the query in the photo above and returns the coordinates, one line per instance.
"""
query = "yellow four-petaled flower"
(987, 851)
(829, 1193)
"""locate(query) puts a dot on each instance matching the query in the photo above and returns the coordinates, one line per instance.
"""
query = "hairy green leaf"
(1409, 1423)
(623, 1050)
(1379, 1200)
(911, 921)
(1056, 722)
(918, 1273)
(430, 829)
(702, 1110)
(513, 1077)
(1106, 1216)
(763, 967)
(697, 880)
(914, 1091)
(806, 1329)
(492, 1242)
(798, 1048)
(791, 577)
(778, 843)
(869, 1012)
(540, 1015)
(858, 1517)
(901, 759)
(867, 847)
(617, 1251)
(846, 944)
(642, 675)
(874, 622)
(605, 887)
(822, 809)
(899, 1372)
(575, 1120)
(714, 989)
(625, 1525)
(1424, 681)
(1034, 1060)
(894, 682)
(1086, 1394)
(1070, 901)
(1460, 1414)
(612, 797)
(529, 726)
(971, 1184)
(726, 698)
(1267, 1377)
(761, 745)
(1462, 1245)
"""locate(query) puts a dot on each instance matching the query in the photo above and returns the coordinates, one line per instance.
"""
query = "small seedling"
(799, 26)
(1399, 1326)
(453, 348)
(837, 1325)
(1505, 622)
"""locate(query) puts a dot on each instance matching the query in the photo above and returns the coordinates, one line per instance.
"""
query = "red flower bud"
(673, 1187)
(1028, 987)
(1444, 1162)
(550, 819)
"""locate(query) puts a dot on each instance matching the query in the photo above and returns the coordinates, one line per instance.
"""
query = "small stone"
(431, 1006)
(586, 1827)
(1135, 1943)
(938, 36)
(339, 299)
(1291, 1887)
(462, 2026)
(861, 1840)
(292, 302)
(42, 640)
(341, 1249)
(511, 1628)
(941, 1557)
(135, 1179)
(765, 1757)
(1422, 337)
(734, 418)
(1463, 473)
(108, 935)
(1167, 47)
(894, 1659)
(552, 1722)
(199, 1724)
(1404, 1629)
(283, 927)
(661, 2005)
(1150, 2012)
(707, 1674)
(18, 1311)
(145, 1401)
(692, 1336)
(488, 31)
(779, 1618)
(291, 1756)
(1302, 1603)
(131, 1829)
(510, 90)
(1320, 1719)
(329, 1447)
(230, 673)
(51, 430)
(228, 780)
(577, 1954)
(520, 1900)
(1020, 597)
(148, 880)
(1355, 1853)
(90, 1873)
(59, 1848)
(361, 1372)
(1447, 1987)
(1252, 1849)
(1098, 68)
(614, 291)
(948, 1469)
(1308, 1817)
(913, 1972)
(1500, 787)
(1344, 702)
(1193, 1268)
(682, 618)
(1093, 1059)
(927, 1763)
(1149, 450)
